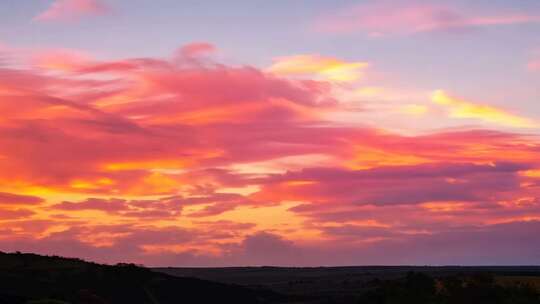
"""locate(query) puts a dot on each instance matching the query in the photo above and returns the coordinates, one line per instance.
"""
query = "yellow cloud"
(328, 68)
(369, 92)
(459, 108)
(415, 109)
(531, 173)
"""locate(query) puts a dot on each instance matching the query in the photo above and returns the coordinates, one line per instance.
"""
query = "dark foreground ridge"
(35, 279)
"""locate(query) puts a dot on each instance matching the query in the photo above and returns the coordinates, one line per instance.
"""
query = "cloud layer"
(189, 161)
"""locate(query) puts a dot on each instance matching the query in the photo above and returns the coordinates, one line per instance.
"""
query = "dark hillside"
(30, 278)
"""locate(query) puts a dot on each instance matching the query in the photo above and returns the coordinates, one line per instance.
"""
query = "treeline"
(419, 288)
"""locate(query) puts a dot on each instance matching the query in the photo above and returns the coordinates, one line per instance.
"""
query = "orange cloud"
(61, 59)
(459, 108)
(194, 162)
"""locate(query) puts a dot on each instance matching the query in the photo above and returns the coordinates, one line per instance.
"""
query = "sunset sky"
(301, 132)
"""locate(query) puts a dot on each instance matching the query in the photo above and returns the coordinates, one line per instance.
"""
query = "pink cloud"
(206, 146)
(464, 245)
(396, 185)
(196, 49)
(166, 207)
(69, 10)
(7, 214)
(404, 18)
(113, 205)
(60, 59)
(16, 199)
(534, 65)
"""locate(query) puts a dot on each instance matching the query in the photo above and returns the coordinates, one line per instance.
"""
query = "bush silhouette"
(417, 288)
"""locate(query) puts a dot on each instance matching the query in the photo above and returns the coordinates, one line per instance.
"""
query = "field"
(533, 281)
(341, 283)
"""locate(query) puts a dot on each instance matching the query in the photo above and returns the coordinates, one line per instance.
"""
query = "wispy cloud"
(195, 49)
(384, 18)
(72, 10)
(328, 68)
(459, 108)
(60, 59)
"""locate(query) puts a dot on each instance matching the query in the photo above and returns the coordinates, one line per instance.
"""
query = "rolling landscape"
(272, 152)
(30, 278)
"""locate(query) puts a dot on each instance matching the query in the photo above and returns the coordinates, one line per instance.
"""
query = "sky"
(288, 133)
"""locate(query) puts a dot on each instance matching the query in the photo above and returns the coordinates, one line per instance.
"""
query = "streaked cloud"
(459, 108)
(15, 199)
(382, 18)
(60, 59)
(328, 68)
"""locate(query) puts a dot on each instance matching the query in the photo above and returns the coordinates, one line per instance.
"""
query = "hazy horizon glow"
(352, 133)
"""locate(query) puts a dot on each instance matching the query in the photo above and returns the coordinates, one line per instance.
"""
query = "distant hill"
(277, 277)
(385, 284)
(35, 279)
